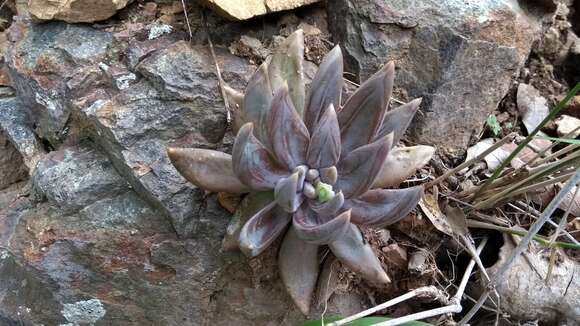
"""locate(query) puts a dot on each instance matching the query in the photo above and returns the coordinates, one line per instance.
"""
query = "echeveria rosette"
(310, 164)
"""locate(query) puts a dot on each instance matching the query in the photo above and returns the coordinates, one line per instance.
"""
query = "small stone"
(568, 126)
(396, 255)
(532, 106)
(75, 11)
(384, 235)
(229, 201)
(418, 262)
(242, 10)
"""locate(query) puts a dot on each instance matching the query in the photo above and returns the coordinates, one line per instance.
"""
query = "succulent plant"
(315, 169)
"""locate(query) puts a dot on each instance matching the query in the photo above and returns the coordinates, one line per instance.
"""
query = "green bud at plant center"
(324, 192)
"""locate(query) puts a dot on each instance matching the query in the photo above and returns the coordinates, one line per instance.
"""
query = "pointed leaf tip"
(207, 169)
(398, 120)
(299, 269)
(363, 113)
(288, 135)
(286, 67)
(402, 163)
(324, 147)
(354, 252)
(326, 88)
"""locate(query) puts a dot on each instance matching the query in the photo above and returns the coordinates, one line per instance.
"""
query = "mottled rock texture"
(106, 231)
(12, 169)
(460, 56)
(75, 11)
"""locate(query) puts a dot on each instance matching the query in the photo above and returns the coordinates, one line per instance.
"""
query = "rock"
(75, 11)
(395, 255)
(237, 10)
(532, 106)
(16, 126)
(179, 104)
(51, 64)
(73, 178)
(568, 126)
(532, 297)
(11, 168)
(460, 57)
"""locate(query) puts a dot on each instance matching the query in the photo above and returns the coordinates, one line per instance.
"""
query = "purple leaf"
(316, 229)
(299, 268)
(257, 100)
(207, 169)
(363, 113)
(262, 229)
(250, 205)
(285, 67)
(252, 162)
(329, 208)
(286, 193)
(324, 149)
(356, 253)
(287, 133)
(381, 207)
(401, 163)
(398, 120)
(358, 170)
(325, 89)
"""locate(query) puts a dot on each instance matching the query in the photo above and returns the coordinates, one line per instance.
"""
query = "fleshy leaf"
(397, 121)
(207, 169)
(316, 229)
(324, 148)
(329, 175)
(361, 117)
(286, 68)
(352, 250)
(299, 268)
(235, 106)
(286, 193)
(262, 229)
(381, 207)
(287, 133)
(325, 89)
(257, 100)
(329, 208)
(249, 206)
(401, 163)
(358, 170)
(252, 162)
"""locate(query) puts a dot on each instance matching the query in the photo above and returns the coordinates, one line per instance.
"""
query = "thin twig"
(523, 245)
(479, 157)
(187, 20)
(221, 82)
